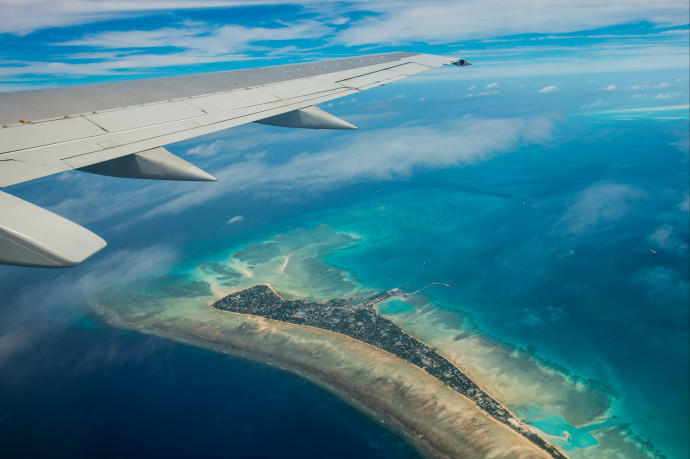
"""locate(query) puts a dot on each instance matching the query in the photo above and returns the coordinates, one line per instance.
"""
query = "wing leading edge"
(119, 129)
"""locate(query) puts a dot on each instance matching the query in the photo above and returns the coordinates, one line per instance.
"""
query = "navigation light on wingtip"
(460, 62)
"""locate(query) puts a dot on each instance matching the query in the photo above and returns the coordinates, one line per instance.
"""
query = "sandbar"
(437, 421)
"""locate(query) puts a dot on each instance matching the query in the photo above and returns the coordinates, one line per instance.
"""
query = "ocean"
(543, 235)
(108, 393)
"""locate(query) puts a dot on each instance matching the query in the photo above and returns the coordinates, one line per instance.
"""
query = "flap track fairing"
(308, 118)
(155, 164)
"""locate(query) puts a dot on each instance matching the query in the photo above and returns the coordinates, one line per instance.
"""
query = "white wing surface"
(119, 129)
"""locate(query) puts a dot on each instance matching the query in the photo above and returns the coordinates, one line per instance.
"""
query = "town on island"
(358, 319)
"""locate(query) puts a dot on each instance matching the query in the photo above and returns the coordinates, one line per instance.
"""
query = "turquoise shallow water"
(573, 438)
(567, 436)
(395, 307)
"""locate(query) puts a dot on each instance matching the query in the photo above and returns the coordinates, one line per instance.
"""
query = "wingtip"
(460, 62)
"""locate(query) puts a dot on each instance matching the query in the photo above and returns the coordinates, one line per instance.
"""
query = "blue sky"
(47, 43)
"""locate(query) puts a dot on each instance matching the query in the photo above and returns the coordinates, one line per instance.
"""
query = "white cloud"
(567, 254)
(213, 40)
(668, 95)
(385, 154)
(398, 97)
(531, 317)
(685, 204)
(88, 198)
(198, 43)
(549, 89)
(649, 109)
(23, 17)
(596, 103)
(665, 285)
(383, 21)
(683, 142)
(189, 43)
(236, 219)
(666, 237)
(550, 314)
(492, 85)
(204, 150)
(447, 21)
(47, 307)
(599, 204)
(256, 154)
(115, 63)
(648, 86)
(610, 87)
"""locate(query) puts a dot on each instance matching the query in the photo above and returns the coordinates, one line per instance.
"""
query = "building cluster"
(361, 321)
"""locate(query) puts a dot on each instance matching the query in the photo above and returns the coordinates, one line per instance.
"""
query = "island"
(358, 318)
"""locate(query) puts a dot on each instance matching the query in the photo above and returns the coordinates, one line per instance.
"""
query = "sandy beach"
(437, 421)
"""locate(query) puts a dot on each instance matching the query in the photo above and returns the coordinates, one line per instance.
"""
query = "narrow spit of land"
(358, 319)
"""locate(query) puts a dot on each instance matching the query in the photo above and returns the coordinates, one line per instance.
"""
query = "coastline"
(362, 321)
(470, 349)
(434, 419)
(535, 390)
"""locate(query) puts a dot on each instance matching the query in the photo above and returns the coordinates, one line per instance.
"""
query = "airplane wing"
(120, 129)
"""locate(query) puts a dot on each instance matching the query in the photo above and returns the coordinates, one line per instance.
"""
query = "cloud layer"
(443, 21)
(47, 307)
(598, 205)
(384, 154)
(23, 17)
(383, 21)
(266, 30)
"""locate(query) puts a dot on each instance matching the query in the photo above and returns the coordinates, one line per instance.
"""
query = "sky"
(48, 43)
(534, 67)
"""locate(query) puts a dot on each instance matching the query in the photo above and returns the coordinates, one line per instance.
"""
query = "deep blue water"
(90, 392)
